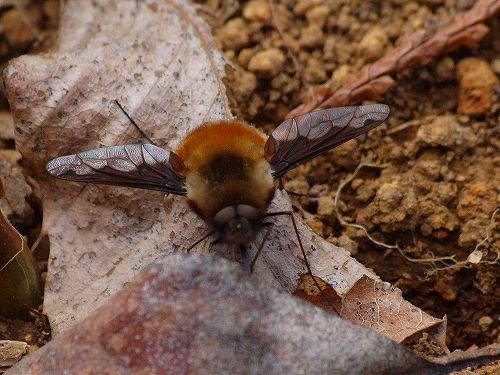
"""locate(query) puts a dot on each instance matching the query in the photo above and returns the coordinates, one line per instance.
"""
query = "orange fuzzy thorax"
(212, 138)
(226, 166)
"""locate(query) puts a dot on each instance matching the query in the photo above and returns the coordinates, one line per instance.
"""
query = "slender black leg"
(290, 214)
(244, 258)
(261, 246)
(200, 240)
(135, 124)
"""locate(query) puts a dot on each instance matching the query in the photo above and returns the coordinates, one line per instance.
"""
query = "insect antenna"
(290, 214)
(135, 124)
(200, 240)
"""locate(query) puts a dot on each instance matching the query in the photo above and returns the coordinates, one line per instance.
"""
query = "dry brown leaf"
(20, 284)
(15, 205)
(380, 306)
(204, 315)
(152, 59)
(157, 59)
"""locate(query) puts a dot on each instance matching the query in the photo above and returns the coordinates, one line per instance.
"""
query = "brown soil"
(435, 194)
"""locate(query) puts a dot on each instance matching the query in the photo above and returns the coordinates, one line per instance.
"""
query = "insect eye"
(247, 211)
(224, 215)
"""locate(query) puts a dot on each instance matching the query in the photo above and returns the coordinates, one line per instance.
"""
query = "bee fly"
(227, 169)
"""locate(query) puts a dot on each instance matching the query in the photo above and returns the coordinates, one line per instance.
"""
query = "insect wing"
(143, 166)
(304, 137)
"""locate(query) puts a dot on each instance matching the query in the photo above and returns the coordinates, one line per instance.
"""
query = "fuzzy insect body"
(227, 169)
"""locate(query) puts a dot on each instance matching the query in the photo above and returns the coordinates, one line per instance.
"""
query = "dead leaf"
(158, 60)
(153, 60)
(380, 306)
(20, 284)
(308, 290)
(15, 205)
(205, 315)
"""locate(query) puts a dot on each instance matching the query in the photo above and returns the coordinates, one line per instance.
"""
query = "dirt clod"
(485, 322)
(234, 35)
(347, 243)
(476, 83)
(311, 37)
(257, 11)
(371, 47)
(326, 206)
(15, 205)
(447, 132)
(267, 63)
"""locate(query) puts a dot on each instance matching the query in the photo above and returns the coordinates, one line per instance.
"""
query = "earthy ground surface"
(429, 187)
(432, 191)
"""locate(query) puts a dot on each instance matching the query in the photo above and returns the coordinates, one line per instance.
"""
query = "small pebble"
(372, 46)
(348, 244)
(445, 70)
(312, 37)
(477, 82)
(245, 56)
(297, 185)
(316, 225)
(314, 71)
(257, 11)
(267, 63)
(234, 35)
(326, 206)
(485, 322)
(303, 6)
(318, 15)
(343, 74)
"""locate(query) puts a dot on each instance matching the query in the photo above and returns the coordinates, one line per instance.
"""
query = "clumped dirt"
(429, 187)
(431, 191)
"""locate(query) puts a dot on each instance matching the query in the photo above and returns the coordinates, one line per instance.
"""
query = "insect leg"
(290, 214)
(200, 240)
(134, 123)
(261, 246)
(244, 258)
